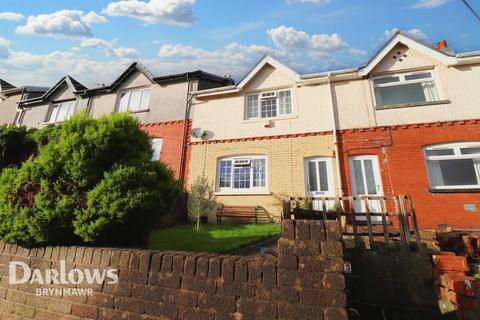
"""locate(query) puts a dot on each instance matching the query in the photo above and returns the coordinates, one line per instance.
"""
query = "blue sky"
(40, 41)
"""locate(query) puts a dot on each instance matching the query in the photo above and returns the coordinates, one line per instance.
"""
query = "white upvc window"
(242, 174)
(134, 100)
(61, 111)
(156, 148)
(269, 104)
(405, 88)
(454, 166)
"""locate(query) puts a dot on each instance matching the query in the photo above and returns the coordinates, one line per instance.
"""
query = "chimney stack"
(441, 45)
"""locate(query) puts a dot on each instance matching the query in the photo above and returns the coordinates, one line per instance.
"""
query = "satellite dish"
(198, 132)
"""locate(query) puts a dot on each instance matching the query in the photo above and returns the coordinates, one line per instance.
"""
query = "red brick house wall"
(403, 167)
(172, 134)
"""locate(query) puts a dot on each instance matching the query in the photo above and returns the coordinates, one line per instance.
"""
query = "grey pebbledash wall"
(305, 282)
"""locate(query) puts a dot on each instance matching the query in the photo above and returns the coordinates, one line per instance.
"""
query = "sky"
(95, 40)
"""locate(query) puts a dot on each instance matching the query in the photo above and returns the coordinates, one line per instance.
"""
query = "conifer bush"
(92, 181)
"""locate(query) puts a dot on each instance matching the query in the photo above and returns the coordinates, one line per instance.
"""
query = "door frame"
(376, 172)
(331, 187)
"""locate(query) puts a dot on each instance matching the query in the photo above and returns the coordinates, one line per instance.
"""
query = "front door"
(366, 181)
(319, 182)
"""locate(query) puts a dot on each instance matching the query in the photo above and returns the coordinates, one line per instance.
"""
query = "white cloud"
(234, 59)
(317, 46)
(428, 4)
(74, 25)
(357, 52)
(289, 45)
(287, 37)
(4, 47)
(11, 16)
(414, 33)
(109, 49)
(327, 42)
(63, 23)
(26, 68)
(176, 12)
(322, 51)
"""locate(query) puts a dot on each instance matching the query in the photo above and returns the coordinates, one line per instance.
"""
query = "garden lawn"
(214, 238)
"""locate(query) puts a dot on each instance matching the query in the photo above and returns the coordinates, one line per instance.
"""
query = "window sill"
(270, 119)
(233, 193)
(140, 111)
(56, 122)
(455, 190)
(411, 105)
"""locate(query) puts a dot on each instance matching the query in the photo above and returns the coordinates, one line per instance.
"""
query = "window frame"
(129, 91)
(402, 81)
(330, 173)
(160, 140)
(457, 155)
(52, 105)
(259, 105)
(231, 189)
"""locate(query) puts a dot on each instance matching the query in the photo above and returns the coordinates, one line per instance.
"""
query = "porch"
(368, 219)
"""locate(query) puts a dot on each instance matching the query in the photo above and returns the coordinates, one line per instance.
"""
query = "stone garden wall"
(305, 282)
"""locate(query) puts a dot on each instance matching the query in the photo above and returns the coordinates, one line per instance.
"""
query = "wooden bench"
(240, 212)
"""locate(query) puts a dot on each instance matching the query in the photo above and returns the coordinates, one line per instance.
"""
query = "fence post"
(406, 225)
(414, 219)
(384, 210)
(369, 223)
(287, 214)
(399, 218)
(354, 219)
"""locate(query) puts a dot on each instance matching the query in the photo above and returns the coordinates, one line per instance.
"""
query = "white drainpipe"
(335, 137)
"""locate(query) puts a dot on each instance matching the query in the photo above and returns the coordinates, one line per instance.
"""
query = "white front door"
(319, 181)
(366, 181)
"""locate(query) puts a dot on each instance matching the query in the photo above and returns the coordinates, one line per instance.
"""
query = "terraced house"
(160, 103)
(10, 96)
(408, 122)
(267, 136)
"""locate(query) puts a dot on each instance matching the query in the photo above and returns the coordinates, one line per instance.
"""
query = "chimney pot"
(441, 45)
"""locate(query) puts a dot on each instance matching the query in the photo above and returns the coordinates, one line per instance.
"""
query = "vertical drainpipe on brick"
(185, 131)
(335, 137)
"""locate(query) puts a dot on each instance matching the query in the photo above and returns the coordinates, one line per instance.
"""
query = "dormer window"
(404, 89)
(61, 111)
(268, 104)
(134, 100)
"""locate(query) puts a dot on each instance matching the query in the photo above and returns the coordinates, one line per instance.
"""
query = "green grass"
(215, 238)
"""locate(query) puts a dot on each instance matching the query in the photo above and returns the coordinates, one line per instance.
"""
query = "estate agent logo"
(21, 273)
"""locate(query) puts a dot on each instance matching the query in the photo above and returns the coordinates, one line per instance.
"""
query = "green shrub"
(92, 181)
(16, 145)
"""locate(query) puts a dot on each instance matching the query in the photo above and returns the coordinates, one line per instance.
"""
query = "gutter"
(209, 92)
(335, 137)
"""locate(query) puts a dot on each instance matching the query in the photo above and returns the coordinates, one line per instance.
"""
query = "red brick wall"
(172, 134)
(403, 167)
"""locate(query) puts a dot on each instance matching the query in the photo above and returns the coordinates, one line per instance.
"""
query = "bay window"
(269, 104)
(242, 174)
(61, 111)
(134, 100)
(454, 166)
(405, 88)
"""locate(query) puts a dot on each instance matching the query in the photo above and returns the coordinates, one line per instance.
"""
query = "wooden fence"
(388, 211)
